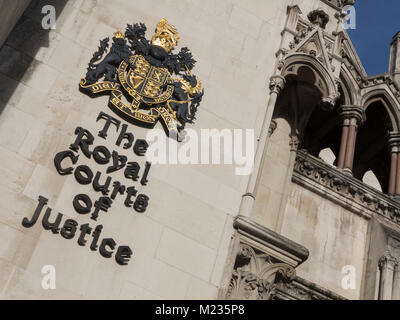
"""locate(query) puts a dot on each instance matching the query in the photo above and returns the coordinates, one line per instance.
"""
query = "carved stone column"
(392, 189)
(343, 143)
(294, 144)
(276, 85)
(260, 260)
(353, 118)
(394, 177)
(387, 265)
(396, 282)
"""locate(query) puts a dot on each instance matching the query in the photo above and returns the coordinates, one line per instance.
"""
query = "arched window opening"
(301, 95)
(298, 99)
(323, 132)
(371, 149)
(354, 139)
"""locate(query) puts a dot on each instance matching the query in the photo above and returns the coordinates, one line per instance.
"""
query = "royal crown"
(166, 36)
(119, 35)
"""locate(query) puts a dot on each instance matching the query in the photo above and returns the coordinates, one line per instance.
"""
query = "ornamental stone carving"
(272, 127)
(340, 3)
(318, 17)
(276, 84)
(328, 103)
(345, 190)
(294, 142)
(260, 260)
(387, 260)
(301, 289)
(256, 275)
(356, 112)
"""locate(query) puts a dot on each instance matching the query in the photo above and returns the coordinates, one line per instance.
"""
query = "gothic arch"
(390, 104)
(372, 148)
(324, 79)
(350, 90)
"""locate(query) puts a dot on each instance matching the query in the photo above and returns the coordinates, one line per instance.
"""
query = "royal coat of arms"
(139, 75)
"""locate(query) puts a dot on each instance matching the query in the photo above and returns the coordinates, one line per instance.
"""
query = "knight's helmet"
(165, 36)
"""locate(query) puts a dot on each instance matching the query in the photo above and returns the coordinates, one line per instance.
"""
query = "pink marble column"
(353, 117)
(393, 172)
(394, 175)
(397, 188)
(343, 144)
(351, 145)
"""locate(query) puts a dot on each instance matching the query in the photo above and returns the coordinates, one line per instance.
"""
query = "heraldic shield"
(138, 75)
(147, 82)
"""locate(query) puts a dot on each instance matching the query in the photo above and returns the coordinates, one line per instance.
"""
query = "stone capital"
(256, 274)
(276, 84)
(353, 113)
(387, 261)
(394, 141)
(328, 103)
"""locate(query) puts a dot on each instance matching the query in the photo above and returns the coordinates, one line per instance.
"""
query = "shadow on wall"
(23, 43)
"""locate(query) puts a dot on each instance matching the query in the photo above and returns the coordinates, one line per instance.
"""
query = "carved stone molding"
(301, 33)
(276, 84)
(272, 127)
(387, 260)
(256, 274)
(394, 139)
(328, 103)
(300, 289)
(250, 230)
(293, 13)
(294, 143)
(339, 4)
(318, 17)
(261, 259)
(350, 112)
(345, 190)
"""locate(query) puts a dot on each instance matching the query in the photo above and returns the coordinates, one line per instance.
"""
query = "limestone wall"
(10, 12)
(180, 243)
(335, 237)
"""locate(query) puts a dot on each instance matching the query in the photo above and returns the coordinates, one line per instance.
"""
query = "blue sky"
(376, 23)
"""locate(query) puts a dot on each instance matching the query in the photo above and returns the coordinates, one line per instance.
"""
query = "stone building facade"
(318, 217)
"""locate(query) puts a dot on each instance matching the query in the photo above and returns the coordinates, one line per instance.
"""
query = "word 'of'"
(68, 231)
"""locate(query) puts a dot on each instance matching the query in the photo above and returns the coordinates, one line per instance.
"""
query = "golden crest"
(165, 36)
(138, 75)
